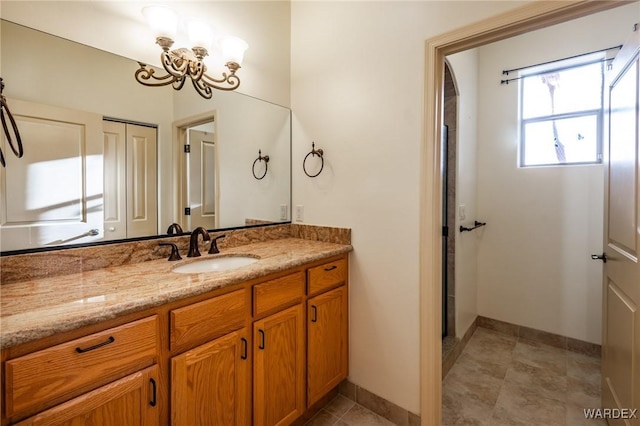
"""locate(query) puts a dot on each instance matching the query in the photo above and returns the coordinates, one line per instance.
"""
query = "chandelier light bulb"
(233, 49)
(200, 34)
(162, 20)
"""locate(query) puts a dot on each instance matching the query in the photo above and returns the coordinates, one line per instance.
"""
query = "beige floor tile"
(360, 416)
(542, 356)
(491, 346)
(469, 378)
(464, 409)
(541, 381)
(323, 418)
(517, 405)
(583, 394)
(339, 406)
(583, 368)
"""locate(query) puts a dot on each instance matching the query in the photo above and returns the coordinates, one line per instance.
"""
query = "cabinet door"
(279, 368)
(327, 342)
(210, 383)
(130, 401)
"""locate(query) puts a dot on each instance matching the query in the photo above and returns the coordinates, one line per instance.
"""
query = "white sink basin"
(215, 264)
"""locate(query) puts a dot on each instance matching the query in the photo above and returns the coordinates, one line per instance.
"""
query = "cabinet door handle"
(153, 393)
(244, 348)
(314, 317)
(261, 345)
(330, 268)
(80, 350)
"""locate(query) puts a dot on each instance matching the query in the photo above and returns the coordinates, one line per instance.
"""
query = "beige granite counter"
(42, 307)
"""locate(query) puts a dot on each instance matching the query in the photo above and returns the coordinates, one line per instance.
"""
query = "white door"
(203, 179)
(621, 284)
(130, 180)
(142, 181)
(53, 195)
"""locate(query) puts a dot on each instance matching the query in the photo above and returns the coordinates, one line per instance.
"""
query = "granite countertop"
(42, 307)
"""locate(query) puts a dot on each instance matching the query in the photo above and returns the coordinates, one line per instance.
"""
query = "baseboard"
(551, 339)
(378, 405)
(449, 359)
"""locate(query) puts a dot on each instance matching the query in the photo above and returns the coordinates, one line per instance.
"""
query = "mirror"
(61, 75)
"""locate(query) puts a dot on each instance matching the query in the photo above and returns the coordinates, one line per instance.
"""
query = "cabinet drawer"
(206, 320)
(326, 276)
(55, 374)
(278, 293)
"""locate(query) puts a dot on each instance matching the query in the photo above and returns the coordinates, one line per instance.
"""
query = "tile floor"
(342, 411)
(501, 380)
(505, 380)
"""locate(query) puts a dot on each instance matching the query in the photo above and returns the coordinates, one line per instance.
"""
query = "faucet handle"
(214, 244)
(175, 254)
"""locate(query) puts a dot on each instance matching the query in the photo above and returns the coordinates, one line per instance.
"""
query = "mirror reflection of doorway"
(201, 175)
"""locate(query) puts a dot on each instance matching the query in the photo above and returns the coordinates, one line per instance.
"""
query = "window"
(561, 116)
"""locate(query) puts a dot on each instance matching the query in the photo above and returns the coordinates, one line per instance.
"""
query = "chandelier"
(183, 63)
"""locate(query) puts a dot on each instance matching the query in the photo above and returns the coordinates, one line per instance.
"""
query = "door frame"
(530, 17)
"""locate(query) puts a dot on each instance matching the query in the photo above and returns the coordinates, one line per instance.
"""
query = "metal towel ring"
(313, 153)
(266, 165)
(4, 109)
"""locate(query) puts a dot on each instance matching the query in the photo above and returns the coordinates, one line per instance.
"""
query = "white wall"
(464, 67)
(543, 223)
(357, 86)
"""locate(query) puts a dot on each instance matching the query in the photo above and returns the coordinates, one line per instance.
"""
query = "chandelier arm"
(179, 82)
(174, 65)
(202, 88)
(232, 81)
(147, 77)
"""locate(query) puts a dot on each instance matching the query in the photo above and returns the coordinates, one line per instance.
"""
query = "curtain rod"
(529, 75)
(506, 72)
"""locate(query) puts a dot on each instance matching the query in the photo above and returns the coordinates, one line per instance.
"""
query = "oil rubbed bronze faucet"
(193, 241)
(174, 229)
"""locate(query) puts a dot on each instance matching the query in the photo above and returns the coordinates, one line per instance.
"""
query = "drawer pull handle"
(153, 393)
(314, 318)
(330, 268)
(244, 348)
(261, 345)
(80, 350)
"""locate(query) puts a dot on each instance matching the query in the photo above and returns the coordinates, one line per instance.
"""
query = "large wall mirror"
(105, 156)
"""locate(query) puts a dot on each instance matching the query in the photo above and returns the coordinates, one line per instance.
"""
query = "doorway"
(512, 23)
(199, 169)
(449, 172)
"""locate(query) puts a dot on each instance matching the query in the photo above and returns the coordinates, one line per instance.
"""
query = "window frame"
(598, 113)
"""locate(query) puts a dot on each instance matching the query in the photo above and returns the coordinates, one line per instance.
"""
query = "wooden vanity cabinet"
(327, 329)
(279, 350)
(130, 401)
(257, 353)
(210, 384)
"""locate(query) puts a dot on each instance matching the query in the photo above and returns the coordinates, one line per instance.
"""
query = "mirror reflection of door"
(130, 180)
(52, 195)
(202, 169)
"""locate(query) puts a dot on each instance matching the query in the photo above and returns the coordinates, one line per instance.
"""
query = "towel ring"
(313, 153)
(266, 165)
(4, 109)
